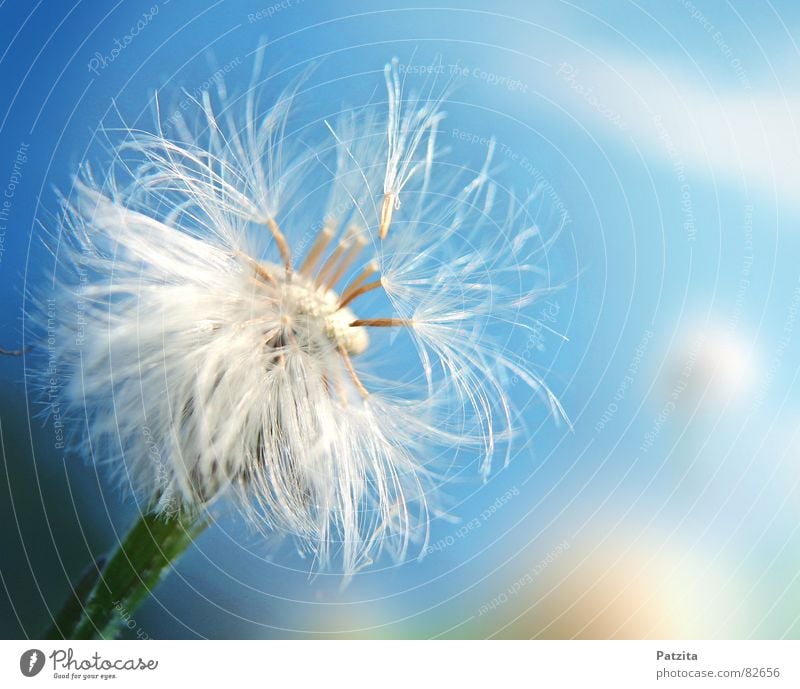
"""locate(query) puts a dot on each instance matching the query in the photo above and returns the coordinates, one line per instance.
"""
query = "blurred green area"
(46, 540)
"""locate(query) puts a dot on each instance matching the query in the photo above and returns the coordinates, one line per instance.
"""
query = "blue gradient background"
(667, 131)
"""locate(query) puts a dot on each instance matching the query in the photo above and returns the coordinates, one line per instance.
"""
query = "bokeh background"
(664, 132)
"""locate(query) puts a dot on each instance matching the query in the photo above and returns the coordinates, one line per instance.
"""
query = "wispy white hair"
(211, 345)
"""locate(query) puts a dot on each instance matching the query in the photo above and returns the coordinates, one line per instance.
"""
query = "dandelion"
(244, 343)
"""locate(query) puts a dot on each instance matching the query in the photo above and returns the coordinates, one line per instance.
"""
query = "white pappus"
(310, 361)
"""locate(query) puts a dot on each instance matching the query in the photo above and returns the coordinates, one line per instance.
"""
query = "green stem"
(66, 620)
(131, 572)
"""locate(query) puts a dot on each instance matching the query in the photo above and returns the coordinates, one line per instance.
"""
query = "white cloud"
(737, 133)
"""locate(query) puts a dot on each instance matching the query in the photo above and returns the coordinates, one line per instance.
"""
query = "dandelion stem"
(280, 240)
(129, 575)
(387, 209)
(371, 269)
(347, 260)
(348, 364)
(259, 270)
(380, 322)
(320, 244)
(71, 613)
(343, 246)
(354, 294)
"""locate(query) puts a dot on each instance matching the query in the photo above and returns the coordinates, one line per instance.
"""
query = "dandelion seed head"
(309, 310)
(228, 355)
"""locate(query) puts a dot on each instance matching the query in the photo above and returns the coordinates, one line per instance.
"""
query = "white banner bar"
(401, 664)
